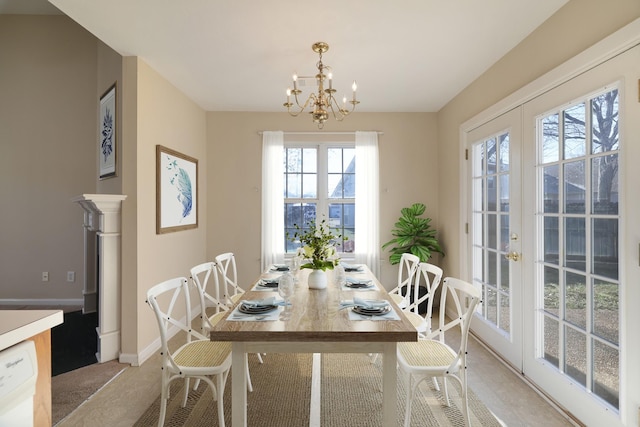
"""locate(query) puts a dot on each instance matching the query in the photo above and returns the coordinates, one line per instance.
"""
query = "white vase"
(317, 279)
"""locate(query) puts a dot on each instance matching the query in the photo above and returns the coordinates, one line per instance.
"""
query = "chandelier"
(324, 100)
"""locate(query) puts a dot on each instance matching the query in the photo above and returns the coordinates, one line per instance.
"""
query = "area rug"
(351, 396)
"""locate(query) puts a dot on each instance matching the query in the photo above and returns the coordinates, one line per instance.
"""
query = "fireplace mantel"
(102, 218)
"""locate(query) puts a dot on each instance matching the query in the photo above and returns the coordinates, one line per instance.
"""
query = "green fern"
(413, 234)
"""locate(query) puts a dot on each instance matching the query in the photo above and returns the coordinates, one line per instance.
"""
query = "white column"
(103, 214)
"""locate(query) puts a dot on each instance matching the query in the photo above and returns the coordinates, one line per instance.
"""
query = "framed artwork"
(107, 134)
(176, 191)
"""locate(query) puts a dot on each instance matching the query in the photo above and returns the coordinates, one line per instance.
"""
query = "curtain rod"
(320, 133)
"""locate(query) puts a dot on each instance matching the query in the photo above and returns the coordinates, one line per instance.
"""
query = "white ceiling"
(239, 55)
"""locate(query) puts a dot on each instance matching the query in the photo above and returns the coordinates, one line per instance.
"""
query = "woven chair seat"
(202, 353)
(427, 353)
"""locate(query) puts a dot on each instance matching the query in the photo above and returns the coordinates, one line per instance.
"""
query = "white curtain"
(272, 199)
(367, 237)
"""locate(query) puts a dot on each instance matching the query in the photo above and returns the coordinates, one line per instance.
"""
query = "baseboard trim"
(42, 302)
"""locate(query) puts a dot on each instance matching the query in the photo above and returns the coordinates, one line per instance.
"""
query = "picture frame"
(176, 191)
(107, 142)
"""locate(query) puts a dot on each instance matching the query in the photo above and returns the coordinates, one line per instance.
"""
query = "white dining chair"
(230, 291)
(419, 310)
(204, 278)
(406, 271)
(229, 288)
(434, 358)
(199, 358)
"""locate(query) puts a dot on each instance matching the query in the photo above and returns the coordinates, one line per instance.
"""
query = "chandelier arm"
(341, 112)
(301, 108)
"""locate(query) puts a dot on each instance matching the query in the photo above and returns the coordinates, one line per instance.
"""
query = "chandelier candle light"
(324, 100)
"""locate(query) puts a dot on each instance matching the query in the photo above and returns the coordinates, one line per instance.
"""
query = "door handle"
(513, 256)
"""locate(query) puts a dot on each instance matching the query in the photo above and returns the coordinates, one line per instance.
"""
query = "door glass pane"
(504, 274)
(550, 139)
(552, 291)
(492, 231)
(604, 185)
(504, 193)
(504, 321)
(574, 132)
(492, 193)
(604, 118)
(575, 355)
(605, 247)
(491, 303)
(605, 310)
(574, 185)
(477, 193)
(575, 300)
(551, 340)
(492, 157)
(504, 152)
(492, 276)
(551, 189)
(575, 244)
(551, 240)
(478, 160)
(606, 372)
(504, 234)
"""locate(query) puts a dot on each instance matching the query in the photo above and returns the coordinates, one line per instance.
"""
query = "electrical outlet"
(71, 276)
(45, 276)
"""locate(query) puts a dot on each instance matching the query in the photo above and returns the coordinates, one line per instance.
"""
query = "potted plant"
(413, 234)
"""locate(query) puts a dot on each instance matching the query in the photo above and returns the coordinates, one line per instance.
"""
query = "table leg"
(238, 385)
(389, 386)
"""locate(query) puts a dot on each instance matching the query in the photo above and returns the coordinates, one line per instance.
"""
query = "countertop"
(19, 325)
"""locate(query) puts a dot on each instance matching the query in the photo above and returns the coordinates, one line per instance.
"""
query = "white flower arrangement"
(318, 246)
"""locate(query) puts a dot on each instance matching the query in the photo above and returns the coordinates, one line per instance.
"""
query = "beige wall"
(408, 174)
(575, 27)
(164, 116)
(47, 145)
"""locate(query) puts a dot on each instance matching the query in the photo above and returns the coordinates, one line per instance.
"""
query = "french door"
(495, 228)
(554, 239)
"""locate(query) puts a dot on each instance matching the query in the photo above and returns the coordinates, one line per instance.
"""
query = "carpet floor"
(71, 389)
(351, 395)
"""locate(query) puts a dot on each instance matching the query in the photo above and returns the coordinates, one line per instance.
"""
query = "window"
(319, 182)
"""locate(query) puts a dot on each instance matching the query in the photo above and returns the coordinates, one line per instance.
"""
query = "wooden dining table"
(316, 323)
